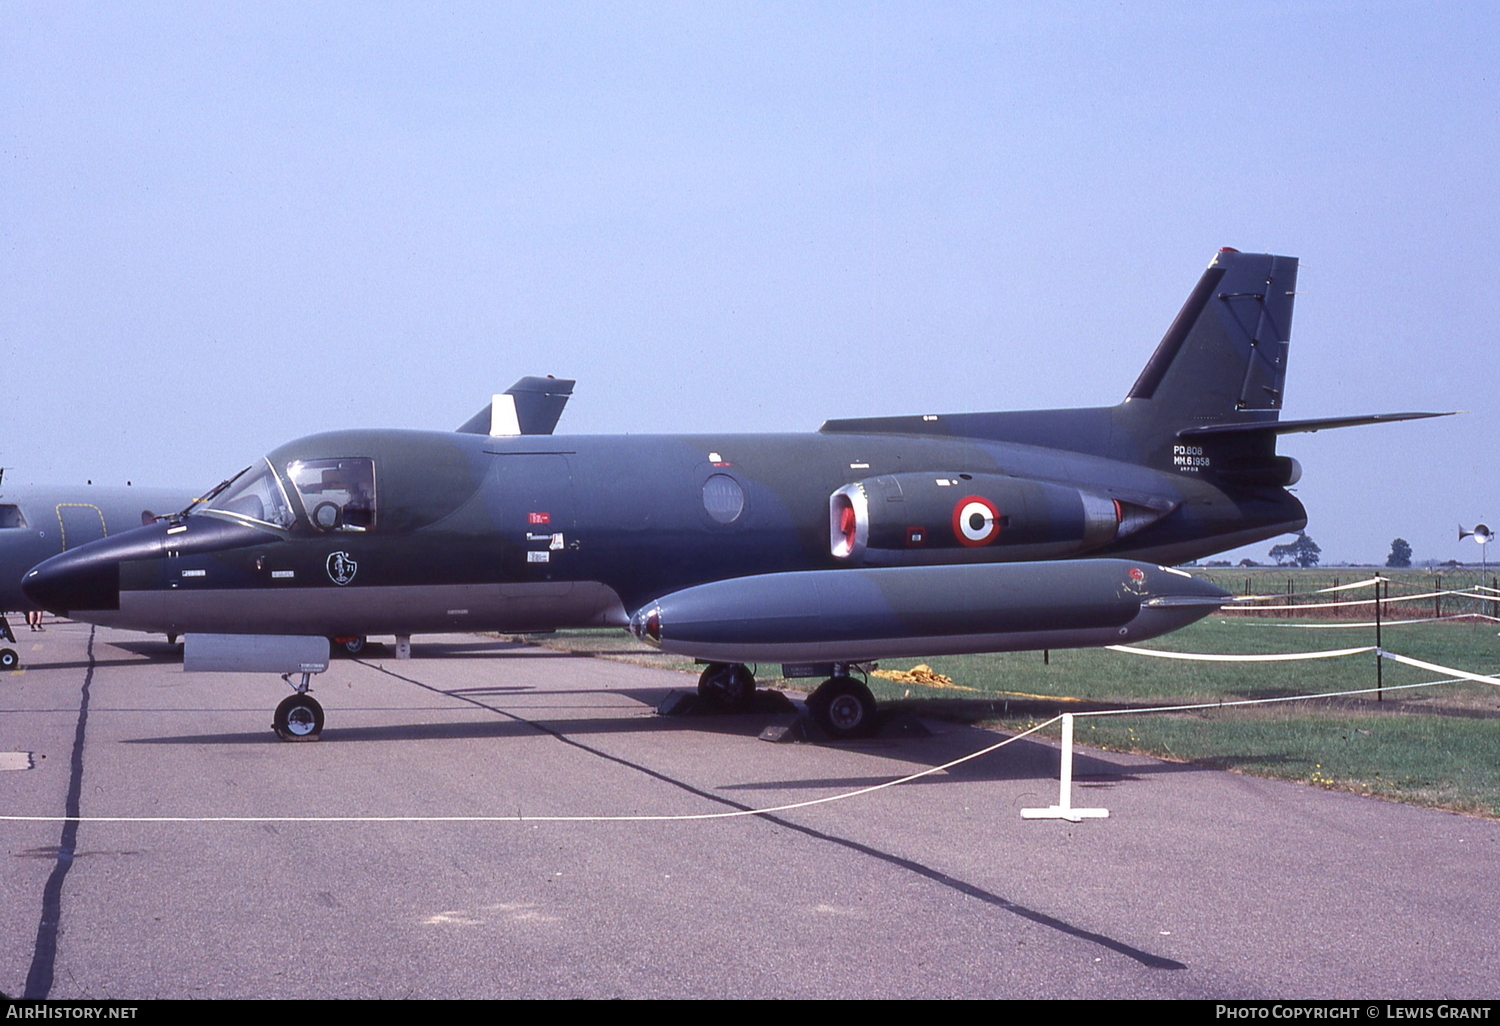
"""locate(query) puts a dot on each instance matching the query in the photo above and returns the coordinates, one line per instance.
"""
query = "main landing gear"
(298, 717)
(349, 646)
(843, 706)
(730, 685)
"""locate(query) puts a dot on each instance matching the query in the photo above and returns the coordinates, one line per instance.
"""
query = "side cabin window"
(11, 516)
(337, 495)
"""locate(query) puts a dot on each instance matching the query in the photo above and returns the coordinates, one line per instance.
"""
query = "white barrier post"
(1064, 807)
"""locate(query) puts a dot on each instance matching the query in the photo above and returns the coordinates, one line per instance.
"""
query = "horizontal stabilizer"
(531, 406)
(1291, 427)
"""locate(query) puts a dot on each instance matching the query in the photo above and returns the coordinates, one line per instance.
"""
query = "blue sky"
(225, 225)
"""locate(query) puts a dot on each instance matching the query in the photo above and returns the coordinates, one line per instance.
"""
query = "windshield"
(337, 495)
(253, 494)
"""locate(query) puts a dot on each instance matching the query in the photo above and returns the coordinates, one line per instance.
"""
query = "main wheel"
(843, 707)
(298, 718)
(8, 659)
(349, 646)
(731, 685)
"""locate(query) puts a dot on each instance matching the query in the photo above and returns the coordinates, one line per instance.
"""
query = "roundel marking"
(975, 521)
(1137, 574)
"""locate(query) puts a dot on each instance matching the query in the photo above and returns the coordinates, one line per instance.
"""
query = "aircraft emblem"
(341, 568)
(975, 521)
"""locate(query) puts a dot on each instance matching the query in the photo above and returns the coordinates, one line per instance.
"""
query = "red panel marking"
(539, 518)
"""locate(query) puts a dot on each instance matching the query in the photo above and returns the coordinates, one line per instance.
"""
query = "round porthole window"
(723, 498)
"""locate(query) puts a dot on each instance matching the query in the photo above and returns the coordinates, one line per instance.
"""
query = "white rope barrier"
(1062, 810)
(1435, 668)
(1269, 657)
(519, 818)
(1387, 600)
(1316, 591)
(1339, 625)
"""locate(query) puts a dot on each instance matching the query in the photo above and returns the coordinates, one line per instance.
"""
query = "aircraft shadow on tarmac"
(479, 648)
(470, 730)
(1024, 760)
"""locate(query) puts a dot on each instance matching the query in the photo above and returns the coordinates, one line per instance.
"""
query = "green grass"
(1437, 746)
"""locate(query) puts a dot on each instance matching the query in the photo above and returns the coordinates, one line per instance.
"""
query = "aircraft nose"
(73, 581)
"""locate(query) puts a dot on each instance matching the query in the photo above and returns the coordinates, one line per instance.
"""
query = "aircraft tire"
(730, 685)
(844, 708)
(298, 718)
(9, 660)
(350, 647)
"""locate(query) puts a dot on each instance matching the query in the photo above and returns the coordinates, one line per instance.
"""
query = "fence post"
(1379, 674)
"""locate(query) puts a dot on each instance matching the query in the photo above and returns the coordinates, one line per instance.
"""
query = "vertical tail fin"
(1224, 357)
(531, 406)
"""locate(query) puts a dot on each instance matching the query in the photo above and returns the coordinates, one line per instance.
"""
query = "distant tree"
(1217, 562)
(1248, 562)
(1400, 554)
(1303, 552)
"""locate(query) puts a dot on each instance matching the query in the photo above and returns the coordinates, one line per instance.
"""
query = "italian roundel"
(975, 521)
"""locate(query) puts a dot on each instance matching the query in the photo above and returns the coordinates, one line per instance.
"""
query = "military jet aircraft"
(871, 538)
(37, 522)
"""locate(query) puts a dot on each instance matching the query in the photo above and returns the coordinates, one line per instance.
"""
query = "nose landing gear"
(9, 660)
(299, 717)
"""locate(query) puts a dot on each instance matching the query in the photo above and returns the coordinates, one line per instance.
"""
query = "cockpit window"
(11, 516)
(337, 495)
(254, 494)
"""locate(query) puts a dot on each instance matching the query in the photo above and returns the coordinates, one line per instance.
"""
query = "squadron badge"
(341, 568)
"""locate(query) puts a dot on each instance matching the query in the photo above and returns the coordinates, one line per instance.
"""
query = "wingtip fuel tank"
(861, 614)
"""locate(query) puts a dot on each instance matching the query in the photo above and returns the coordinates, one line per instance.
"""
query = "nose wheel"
(9, 660)
(299, 717)
(730, 685)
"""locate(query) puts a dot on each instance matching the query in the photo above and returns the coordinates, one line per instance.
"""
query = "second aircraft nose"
(88, 577)
(81, 579)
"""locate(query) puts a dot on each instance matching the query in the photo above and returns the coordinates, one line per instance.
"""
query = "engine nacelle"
(950, 518)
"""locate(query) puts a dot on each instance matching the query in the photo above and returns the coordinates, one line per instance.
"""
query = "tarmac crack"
(44, 954)
(937, 876)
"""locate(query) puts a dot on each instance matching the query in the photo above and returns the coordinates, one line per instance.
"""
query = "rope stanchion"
(1064, 807)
